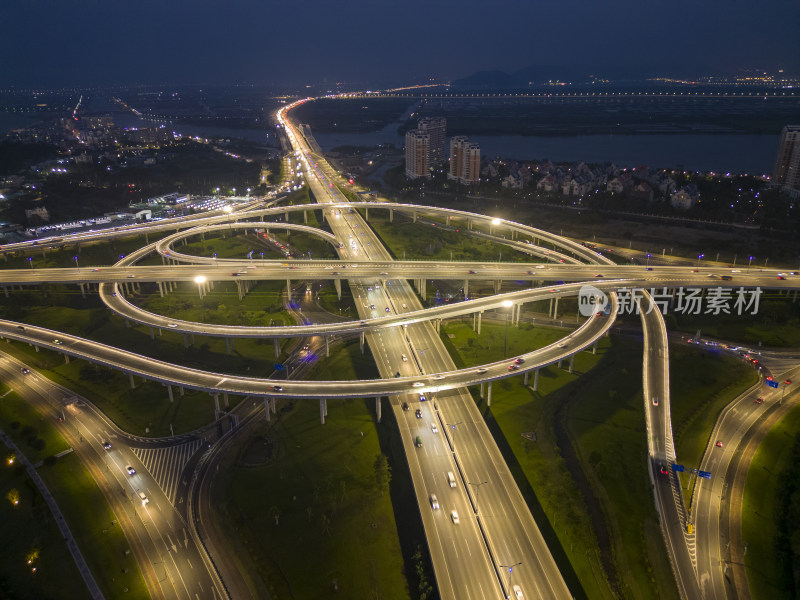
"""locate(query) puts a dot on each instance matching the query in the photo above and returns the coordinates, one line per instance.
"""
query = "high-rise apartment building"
(465, 160)
(418, 145)
(787, 166)
(436, 127)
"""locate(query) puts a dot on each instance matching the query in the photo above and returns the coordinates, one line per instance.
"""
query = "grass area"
(607, 425)
(29, 531)
(82, 503)
(414, 241)
(702, 382)
(329, 300)
(95, 528)
(760, 509)
(538, 466)
(27, 428)
(315, 499)
(89, 254)
(777, 323)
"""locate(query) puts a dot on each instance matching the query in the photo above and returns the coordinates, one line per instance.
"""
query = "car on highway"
(405, 305)
(519, 360)
(454, 517)
(404, 357)
(24, 370)
(131, 470)
(172, 325)
(21, 327)
(405, 405)
(663, 469)
(107, 445)
(235, 274)
(437, 377)
(143, 498)
(434, 502)
(655, 400)
(434, 428)
(518, 593)
(759, 401)
(131, 276)
(387, 309)
(562, 345)
(418, 442)
(372, 306)
(719, 444)
(418, 413)
(472, 272)
(57, 342)
(482, 370)
(451, 479)
(418, 384)
(95, 269)
(781, 278)
(598, 274)
(531, 272)
(276, 388)
(513, 367)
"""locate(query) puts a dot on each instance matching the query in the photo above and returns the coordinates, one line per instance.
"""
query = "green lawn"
(80, 500)
(702, 382)
(608, 426)
(29, 532)
(414, 241)
(27, 428)
(538, 466)
(759, 509)
(320, 484)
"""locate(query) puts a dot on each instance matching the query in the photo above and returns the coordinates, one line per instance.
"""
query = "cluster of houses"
(581, 179)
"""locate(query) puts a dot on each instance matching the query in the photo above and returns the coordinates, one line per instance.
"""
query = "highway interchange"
(495, 529)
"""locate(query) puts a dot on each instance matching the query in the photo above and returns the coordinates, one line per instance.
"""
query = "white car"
(404, 357)
(518, 593)
(434, 502)
(172, 325)
(454, 516)
(144, 498)
(131, 470)
(434, 428)
(418, 384)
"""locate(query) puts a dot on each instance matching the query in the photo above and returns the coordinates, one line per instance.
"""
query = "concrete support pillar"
(66, 358)
(378, 408)
(391, 215)
(169, 391)
(322, 411)
(133, 385)
(550, 310)
(233, 344)
(225, 399)
(127, 323)
(555, 309)
(366, 214)
(216, 405)
(480, 316)
(289, 289)
(525, 378)
(161, 289)
(152, 333)
(361, 337)
(337, 283)
(277, 344)
(438, 323)
(559, 362)
(266, 408)
(480, 390)
(594, 347)
(305, 217)
(413, 216)
(536, 380)
(489, 394)
(83, 290)
(466, 288)
(448, 219)
(497, 285)
(227, 346)
(571, 362)
(327, 346)
(181, 390)
(185, 340)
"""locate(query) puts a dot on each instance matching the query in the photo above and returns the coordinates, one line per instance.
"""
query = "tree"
(383, 473)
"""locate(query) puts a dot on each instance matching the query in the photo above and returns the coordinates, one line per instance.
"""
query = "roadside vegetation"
(91, 520)
(769, 512)
(299, 493)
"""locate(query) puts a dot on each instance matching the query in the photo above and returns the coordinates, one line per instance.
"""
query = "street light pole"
(76, 262)
(453, 435)
(699, 256)
(477, 487)
(510, 569)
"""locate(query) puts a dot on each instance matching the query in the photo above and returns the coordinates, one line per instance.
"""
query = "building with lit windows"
(436, 127)
(418, 144)
(465, 160)
(787, 165)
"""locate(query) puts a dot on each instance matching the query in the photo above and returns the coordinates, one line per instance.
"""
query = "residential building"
(787, 165)
(418, 145)
(685, 197)
(465, 160)
(436, 128)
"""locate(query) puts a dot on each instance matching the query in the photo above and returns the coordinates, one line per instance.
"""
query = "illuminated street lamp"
(648, 260)
(453, 427)
(200, 281)
(477, 487)
(30, 261)
(750, 263)
(510, 569)
(507, 304)
(699, 256)
(76, 261)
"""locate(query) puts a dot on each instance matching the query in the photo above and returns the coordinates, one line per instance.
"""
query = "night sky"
(57, 43)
